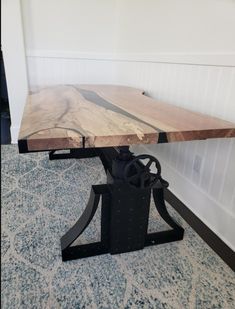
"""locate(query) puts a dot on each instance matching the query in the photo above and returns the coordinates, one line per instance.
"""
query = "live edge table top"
(84, 116)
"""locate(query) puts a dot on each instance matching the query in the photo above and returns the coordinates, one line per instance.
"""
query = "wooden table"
(104, 120)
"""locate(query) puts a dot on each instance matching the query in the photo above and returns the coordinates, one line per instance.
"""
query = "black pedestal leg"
(125, 205)
(129, 212)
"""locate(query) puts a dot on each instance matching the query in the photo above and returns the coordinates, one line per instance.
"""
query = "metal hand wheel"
(138, 173)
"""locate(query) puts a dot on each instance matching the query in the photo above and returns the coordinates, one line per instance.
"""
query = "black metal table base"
(125, 203)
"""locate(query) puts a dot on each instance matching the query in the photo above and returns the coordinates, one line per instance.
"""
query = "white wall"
(69, 25)
(14, 61)
(191, 31)
(189, 26)
(129, 42)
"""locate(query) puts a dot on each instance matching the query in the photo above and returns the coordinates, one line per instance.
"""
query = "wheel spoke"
(148, 164)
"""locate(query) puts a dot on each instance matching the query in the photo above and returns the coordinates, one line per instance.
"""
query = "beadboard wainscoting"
(201, 173)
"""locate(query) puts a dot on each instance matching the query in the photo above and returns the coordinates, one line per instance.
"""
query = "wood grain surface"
(75, 116)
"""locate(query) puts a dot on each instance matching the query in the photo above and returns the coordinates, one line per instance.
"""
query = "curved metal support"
(158, 196)
(71, 252)
(82, 222)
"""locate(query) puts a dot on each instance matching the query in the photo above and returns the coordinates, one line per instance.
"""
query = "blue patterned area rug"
(42, 199)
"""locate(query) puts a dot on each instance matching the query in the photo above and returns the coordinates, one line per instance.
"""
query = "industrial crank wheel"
(143, 172)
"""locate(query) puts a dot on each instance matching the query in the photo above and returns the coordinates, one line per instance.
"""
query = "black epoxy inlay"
(162, 138)
(95, 98)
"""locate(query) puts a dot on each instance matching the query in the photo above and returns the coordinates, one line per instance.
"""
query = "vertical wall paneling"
(48, 71)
